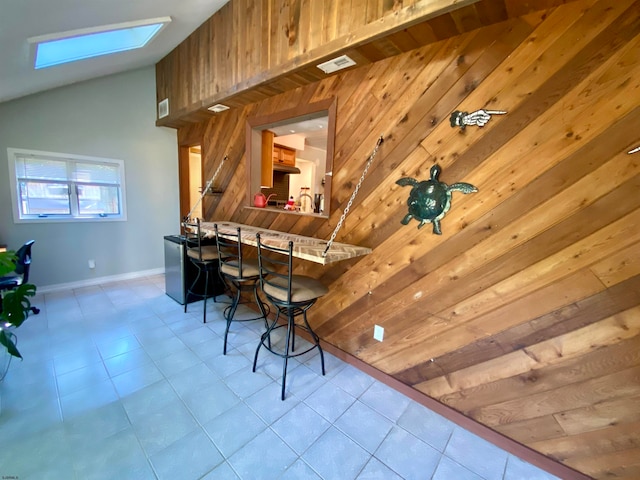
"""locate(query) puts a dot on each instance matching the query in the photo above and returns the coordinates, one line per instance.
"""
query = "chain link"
(206, 188)
(353, 196)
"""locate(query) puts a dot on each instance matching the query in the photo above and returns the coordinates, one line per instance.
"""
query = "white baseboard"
(99, 281)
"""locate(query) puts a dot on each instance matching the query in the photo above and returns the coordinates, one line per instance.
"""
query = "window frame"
(70, 160)
(256, 125)
(62, 48)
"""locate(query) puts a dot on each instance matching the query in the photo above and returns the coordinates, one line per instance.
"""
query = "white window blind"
(54, 187)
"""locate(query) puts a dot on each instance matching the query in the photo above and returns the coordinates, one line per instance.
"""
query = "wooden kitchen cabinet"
(271, 156)
(266, 160)
(284, 156)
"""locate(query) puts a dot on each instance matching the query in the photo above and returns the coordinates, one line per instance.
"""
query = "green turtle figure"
(430, 200)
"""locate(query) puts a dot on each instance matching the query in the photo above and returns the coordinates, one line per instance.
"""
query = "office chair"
(21, 273)
(292, 295)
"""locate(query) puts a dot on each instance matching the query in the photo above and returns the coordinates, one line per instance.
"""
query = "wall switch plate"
(92, 264)
(378, 333)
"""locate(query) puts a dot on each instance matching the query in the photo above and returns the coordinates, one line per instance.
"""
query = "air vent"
(163, 108)
(218, 107)
(336, 64)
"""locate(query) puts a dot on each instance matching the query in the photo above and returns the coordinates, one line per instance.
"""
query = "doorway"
(190, 179)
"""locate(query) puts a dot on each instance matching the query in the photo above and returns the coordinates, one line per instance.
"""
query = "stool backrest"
(276, 268)
(229, 251)
(193, 237)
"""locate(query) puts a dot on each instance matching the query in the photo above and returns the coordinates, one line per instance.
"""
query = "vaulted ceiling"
(20, 20)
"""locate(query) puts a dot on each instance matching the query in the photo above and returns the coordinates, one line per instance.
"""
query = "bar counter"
(306, 248)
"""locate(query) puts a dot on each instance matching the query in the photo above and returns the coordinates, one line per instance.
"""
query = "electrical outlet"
(92, 264)
(378, 333)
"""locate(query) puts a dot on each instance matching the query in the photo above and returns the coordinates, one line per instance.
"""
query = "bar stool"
(292, 295)
(205, 258)
(240, 272)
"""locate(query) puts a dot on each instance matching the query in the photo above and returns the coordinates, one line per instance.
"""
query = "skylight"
(77, 45)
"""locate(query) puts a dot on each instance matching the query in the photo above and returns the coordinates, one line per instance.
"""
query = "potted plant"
(14, 308)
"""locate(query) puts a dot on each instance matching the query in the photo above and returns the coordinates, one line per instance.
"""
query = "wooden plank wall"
(251, 50)
(525, 314)
(285, 31)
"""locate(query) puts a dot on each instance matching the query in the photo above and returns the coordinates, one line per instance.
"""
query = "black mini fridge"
(180, 273)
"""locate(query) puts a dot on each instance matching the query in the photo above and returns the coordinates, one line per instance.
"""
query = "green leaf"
(7, 262)
(16, 305)
(5, 339)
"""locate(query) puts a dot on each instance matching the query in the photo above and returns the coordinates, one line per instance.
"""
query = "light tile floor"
(119, 383)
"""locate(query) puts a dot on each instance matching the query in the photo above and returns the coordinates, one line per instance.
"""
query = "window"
(309, 183)
(77, 45)
(49, 187)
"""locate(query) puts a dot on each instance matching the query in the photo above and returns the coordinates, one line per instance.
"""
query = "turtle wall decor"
(429, 200)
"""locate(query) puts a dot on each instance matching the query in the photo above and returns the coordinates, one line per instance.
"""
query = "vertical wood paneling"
(248, 44)
(316, 23)
(329, 21)
(523, 314)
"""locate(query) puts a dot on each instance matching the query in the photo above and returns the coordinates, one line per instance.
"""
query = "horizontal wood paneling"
(523, 315)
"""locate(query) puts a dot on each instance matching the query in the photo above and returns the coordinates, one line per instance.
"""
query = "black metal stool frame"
(271, 268)
(193, 239)
(231, 260)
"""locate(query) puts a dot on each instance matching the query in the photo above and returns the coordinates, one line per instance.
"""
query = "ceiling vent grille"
(163, 108)
(336, 64)
(218, 107)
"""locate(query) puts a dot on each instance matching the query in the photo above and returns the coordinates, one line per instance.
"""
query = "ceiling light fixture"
(74, 45)
(217, 108)
(336, 64)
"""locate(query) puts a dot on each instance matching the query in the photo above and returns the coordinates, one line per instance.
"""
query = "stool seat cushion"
(303, 288)
(209, 253)
(249, 268)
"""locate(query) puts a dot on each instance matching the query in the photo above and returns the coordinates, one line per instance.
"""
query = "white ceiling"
(313, 130)
(22, 19)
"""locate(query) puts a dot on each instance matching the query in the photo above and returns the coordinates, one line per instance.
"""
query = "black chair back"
(23, 263)
(230, 252)
(193, 238)
(276, 271)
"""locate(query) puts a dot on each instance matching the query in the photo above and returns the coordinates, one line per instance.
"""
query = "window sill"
(272, 209)
(69, 219)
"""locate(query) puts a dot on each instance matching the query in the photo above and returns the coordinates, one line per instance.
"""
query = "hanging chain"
(215, 174)
(206, 188)
(353, 196)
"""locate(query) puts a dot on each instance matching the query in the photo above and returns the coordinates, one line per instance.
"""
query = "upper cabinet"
(272, 157)
(284, 156)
